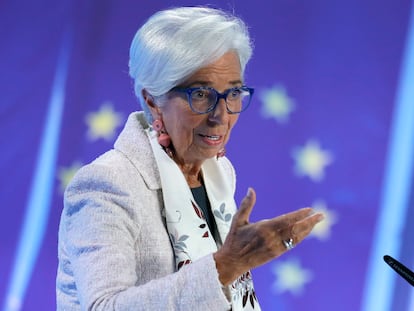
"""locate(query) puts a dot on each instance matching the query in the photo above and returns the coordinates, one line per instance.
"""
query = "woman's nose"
(220, 113)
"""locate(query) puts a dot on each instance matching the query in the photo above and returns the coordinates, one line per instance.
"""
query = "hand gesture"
(249, 245)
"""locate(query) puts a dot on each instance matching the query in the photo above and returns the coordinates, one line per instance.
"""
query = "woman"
(152, 224)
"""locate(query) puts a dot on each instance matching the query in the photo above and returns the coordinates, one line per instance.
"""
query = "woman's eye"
(235, 93)
(200, 94)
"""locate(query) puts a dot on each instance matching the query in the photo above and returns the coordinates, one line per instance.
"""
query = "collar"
(134, 144)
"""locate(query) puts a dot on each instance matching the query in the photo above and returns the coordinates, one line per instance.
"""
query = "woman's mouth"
(212, 139)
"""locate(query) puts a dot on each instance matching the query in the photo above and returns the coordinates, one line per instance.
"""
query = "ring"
(289, 244)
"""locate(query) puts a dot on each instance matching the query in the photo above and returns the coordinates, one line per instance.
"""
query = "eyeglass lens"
(204, 99)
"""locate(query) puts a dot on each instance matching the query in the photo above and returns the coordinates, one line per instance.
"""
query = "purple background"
(338, 61)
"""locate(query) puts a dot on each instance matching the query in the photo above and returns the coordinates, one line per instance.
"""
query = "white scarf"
(186, 224)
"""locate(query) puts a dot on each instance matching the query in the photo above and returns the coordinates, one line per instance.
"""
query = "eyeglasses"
(205, 99)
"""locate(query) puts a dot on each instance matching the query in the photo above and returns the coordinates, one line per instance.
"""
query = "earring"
(221, 153)
(157, 125)
(163, 138)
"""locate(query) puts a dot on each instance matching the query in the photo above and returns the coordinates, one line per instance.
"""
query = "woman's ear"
(150, 101)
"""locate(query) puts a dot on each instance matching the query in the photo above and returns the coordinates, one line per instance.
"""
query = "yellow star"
(276, 104)
(311, 160)
(102, 124)
(65, 175)
(290, 276)
(322, 230)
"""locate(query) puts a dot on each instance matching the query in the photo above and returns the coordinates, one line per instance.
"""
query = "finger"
(245, 209)
(300, 214)
(302, 228)
(292, 217)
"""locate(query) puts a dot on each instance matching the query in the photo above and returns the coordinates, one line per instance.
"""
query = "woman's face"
(197, 137)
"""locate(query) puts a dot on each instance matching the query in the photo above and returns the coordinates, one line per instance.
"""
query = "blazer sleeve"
(98, 254)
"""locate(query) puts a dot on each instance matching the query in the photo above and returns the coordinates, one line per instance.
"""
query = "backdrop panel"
(320, 132)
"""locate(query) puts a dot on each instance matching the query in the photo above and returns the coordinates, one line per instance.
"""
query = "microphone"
(402, 270)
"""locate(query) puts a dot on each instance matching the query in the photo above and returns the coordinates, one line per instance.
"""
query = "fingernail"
(249, 192)
(311, 211)
(320, 217)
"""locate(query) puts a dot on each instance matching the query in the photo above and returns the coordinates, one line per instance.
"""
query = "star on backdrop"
(311, 160)
(290, 276)
(65, 175)
(103, 123)
(276, 104)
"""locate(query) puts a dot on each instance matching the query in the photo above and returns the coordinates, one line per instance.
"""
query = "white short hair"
(175, 43)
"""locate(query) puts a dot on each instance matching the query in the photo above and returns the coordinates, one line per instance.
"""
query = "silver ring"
(289, 244)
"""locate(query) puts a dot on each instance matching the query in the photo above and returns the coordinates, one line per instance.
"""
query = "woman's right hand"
(249, 245)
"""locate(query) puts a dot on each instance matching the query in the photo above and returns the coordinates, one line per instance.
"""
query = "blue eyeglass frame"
(219, 95)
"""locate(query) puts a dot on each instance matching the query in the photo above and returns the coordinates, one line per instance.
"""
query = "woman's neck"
(193, 183)
(192, 174)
